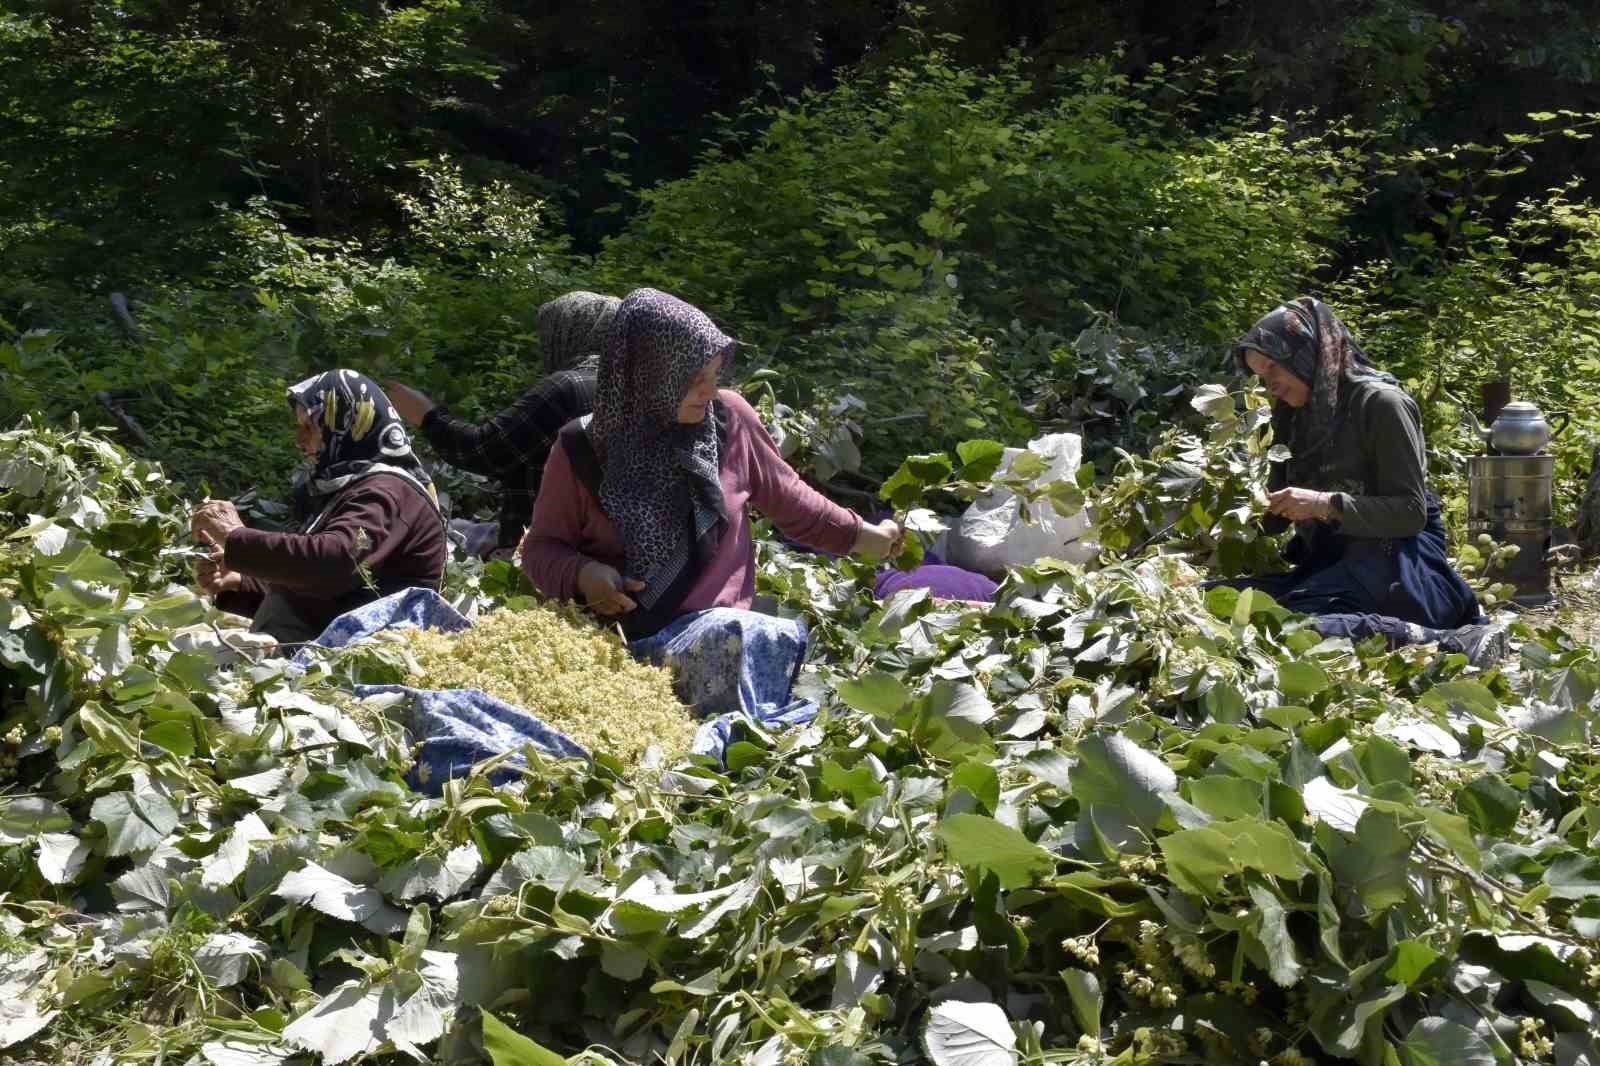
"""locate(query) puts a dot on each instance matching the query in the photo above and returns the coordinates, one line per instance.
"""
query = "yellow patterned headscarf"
(361, 434)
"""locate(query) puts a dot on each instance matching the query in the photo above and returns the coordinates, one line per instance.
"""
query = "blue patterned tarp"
(734, 665)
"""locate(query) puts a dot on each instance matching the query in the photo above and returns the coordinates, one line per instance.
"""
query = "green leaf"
(1574, 877)
(962, 707)
(968, 1034)
(1083, 988)
(106, 731)
(1225, 703)
(858, 783)
(980, 779)
(1050, 766)
(742, 754)
(1225, 797)
(507, 1047)
(1301, 680)
(1272, 929)
(134, 821)
(1491, 806)
(1414, 962)
(1383, 761)
(177, 737)
(1469, 697)
(113, 652)
(1437, 1042)
(1115, 772)
(1198, 859)
(878, 694)
(980, 459)
(1377, 863)
(984, 844)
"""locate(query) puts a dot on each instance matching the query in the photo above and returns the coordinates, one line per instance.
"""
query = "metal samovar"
(1511, 495)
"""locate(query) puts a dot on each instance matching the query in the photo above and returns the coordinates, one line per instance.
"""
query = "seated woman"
(1369, 547)
(642, 512)
(512, 446)
(370, 524)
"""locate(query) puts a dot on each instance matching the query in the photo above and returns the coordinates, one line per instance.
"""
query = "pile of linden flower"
(573, 676)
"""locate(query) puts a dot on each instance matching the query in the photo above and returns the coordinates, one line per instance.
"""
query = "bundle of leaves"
(1200, 495)
(560, 666)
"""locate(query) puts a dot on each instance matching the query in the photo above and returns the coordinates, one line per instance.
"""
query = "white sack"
(992, 535)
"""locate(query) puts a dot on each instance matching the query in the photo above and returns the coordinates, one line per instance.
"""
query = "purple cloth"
(945, 582)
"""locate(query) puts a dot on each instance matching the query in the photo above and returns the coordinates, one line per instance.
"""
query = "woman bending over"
(1369, 547)
(369, 521)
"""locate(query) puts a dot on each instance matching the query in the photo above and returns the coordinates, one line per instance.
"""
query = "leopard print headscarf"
(661, 485)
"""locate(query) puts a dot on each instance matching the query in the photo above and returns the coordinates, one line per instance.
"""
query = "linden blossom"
(570, 675)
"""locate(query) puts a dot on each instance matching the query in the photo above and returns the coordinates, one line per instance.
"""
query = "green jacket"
(1376, 467)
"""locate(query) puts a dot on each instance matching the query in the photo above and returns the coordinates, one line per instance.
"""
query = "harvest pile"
(563, 669)
(1103, 820)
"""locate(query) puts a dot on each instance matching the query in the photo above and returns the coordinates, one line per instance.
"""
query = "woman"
(1369, 547)
(512, 446)
(370, 523)
(643, 512)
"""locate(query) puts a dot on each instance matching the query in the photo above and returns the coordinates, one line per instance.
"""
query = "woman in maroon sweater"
(643, 511)
(370, 524)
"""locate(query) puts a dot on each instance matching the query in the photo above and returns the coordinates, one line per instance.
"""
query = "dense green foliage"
(1107, 818)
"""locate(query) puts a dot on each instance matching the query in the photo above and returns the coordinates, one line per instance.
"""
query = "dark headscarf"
(660, 484)
(1309, 340)
(362, 435)
(573, 328)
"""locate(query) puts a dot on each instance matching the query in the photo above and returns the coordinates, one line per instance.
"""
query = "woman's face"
(1278, 379)
(692, 409)
(307, 434)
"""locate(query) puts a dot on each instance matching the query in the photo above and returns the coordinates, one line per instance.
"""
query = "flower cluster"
(1531, 1041)
(573, 676)
(1084, 949)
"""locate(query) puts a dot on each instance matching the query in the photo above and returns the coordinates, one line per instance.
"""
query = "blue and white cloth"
(734, 665)
(730, 666)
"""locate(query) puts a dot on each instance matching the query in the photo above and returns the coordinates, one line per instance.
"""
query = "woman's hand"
(604, 590)
(1302, 505)
(214, 578)
(881, 540)
(409, 404)
(213, 521)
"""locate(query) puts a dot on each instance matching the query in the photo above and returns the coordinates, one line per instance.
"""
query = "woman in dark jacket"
(512, 446)
(1369, 547)
(370, 522)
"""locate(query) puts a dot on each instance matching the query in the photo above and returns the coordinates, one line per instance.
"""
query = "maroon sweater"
(317, 572)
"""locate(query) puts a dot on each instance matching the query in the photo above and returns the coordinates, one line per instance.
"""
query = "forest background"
(941, 221)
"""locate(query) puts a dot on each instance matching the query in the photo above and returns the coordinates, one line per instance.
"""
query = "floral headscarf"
(1309, 341)
(573, 328)
(362, 434)
(660, 483)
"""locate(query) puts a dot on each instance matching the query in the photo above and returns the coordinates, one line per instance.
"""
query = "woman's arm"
(804, 515)
(517, 436)
(326, 563)
(550, 555)
(1396, 504)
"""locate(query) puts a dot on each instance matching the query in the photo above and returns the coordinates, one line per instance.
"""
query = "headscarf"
(1309, 340)
(572, 330)
(362, 435)
(660, 484)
